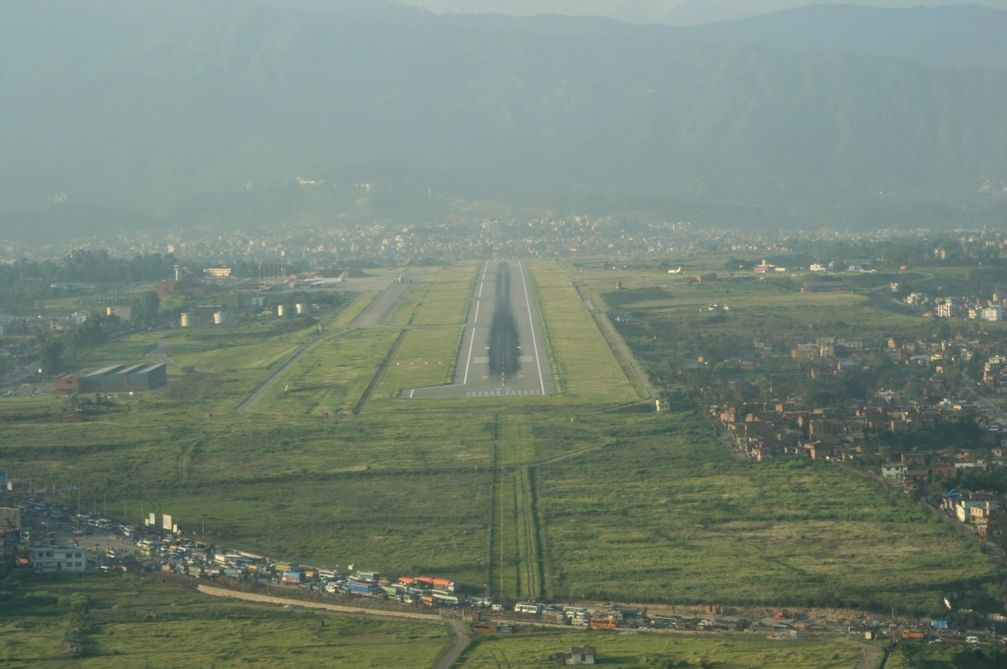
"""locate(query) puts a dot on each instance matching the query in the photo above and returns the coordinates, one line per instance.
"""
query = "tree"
(50, 355)
(144, 308)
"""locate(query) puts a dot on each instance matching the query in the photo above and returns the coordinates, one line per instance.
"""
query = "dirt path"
(458, 629)
(335, 608)
(459, 642)
(871, 656)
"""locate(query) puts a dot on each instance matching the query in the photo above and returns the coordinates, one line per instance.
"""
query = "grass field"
(425, 358)
(651, 650)
(945, 656)
(583, 365)
(679, 519)
(582, 494)
(125, 621)
(360, 302)
(329, 378)
(446, 303)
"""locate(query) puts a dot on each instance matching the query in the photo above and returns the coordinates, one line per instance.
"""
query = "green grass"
(125, 621)
(594, 499)
(944, 656)
(330, 378)
(446, 303)
(666, 514)
(425, 358)
(654, 650)
(360, 302)
(583, 364)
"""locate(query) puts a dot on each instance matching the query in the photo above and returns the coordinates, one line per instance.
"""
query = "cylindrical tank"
(299, 309)
(218, 317)
(183, 320)
(281, 310)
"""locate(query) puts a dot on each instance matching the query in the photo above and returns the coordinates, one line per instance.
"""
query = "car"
(972, 640)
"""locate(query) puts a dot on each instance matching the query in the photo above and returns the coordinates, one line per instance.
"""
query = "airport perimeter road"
(630, 365)
(492, 303)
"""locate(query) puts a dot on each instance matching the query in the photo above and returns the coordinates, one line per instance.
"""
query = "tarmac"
(472, 376)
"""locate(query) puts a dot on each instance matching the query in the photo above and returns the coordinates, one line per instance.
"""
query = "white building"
(894, 472)
(994, 313)
(218, 271)
(58, 559)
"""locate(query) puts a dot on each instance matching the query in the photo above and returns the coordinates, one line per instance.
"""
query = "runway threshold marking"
(531, 325)
(468, 361)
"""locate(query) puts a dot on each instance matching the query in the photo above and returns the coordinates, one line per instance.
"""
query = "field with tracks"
(294, 440)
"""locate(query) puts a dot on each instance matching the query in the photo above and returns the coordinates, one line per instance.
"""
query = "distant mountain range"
(160, 105)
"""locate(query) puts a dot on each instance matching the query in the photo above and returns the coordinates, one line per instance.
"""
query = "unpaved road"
(459, 642)
(458, 629)
(335, 608)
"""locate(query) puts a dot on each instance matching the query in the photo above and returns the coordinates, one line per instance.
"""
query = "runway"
(503, 316)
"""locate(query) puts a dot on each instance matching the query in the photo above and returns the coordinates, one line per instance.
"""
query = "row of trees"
(55, 352)
(26, 281)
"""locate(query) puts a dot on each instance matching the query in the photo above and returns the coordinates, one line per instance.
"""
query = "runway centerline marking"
(476, 319)
(531, 326)
(468, 361)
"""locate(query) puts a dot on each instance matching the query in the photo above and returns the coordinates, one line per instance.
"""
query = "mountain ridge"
(178, 100)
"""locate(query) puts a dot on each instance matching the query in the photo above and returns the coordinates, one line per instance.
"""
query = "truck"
(607, 623)
(360, 588)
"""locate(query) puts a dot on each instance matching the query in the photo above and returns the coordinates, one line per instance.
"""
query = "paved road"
(472, 368)
(381, 307)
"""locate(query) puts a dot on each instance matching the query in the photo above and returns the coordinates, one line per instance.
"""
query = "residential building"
(894, 472)
(58, 559)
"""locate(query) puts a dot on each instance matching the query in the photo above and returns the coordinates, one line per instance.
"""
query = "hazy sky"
(675, 12)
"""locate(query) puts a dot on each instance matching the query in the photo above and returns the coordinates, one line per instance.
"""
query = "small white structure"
(183, 320)
(281, 310)
(894, 472)
(58, 559)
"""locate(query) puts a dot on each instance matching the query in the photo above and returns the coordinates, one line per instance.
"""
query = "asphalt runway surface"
(503, 349)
